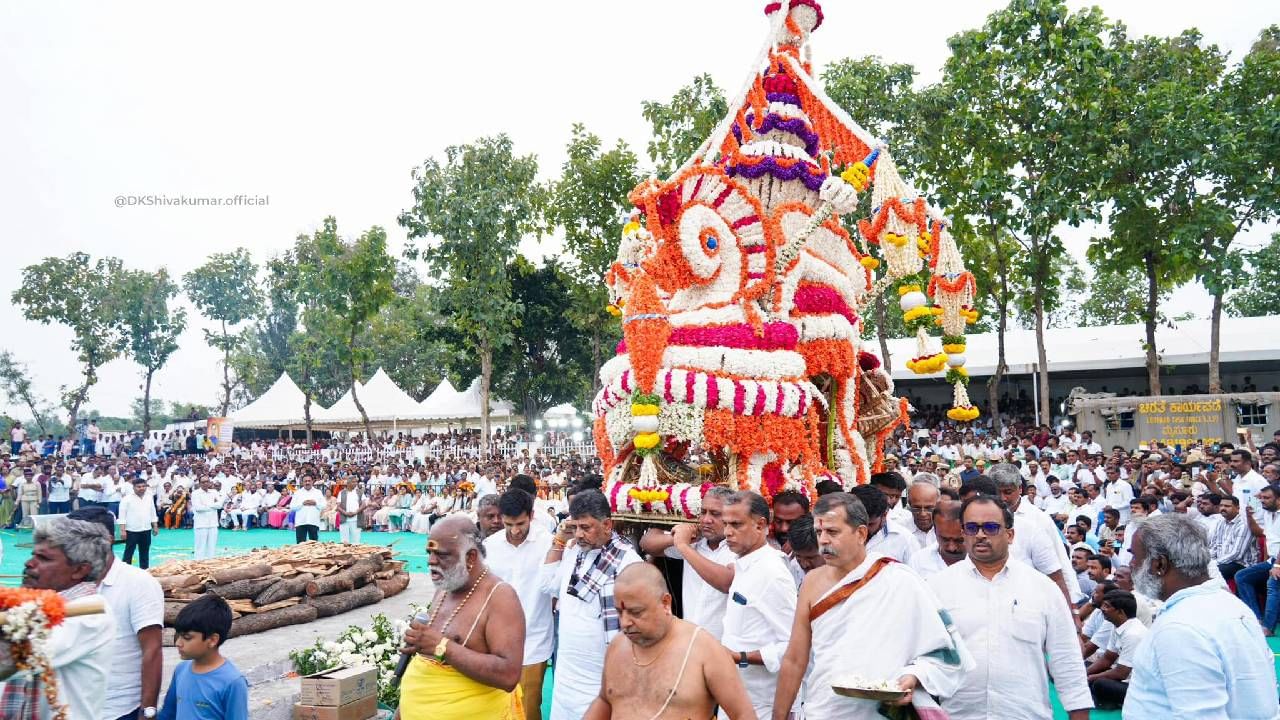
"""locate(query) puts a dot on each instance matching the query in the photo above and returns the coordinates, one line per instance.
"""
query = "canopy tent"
(441, 401)
(384, 401)
(1092, 349)
(279, 407)
(342, 413)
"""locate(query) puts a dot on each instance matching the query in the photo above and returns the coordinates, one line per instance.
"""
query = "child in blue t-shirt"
(206, 686)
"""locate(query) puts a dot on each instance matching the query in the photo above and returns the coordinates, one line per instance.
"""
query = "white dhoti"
(888, 628)
(579, 659)
(349, 531)
(206, 542)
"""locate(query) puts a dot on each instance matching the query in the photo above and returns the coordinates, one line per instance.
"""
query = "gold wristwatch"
(440, 648)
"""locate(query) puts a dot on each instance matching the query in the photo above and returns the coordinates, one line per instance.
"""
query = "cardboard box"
(362, 709)
(339, 686)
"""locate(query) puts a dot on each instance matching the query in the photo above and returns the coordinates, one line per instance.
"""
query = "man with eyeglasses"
(1011, 617)
(922, 498)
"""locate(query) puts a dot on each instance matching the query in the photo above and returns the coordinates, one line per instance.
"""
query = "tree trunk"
(73, 412)
(226, 370)
(306, 415)
(882, 335)
(1153, 354)
(244, 589)
(393, 585)
(1215, 343)
(1002, 324)
(595, 360)
(486, 370)
(364, 416)
(283, 590)
(146, 405)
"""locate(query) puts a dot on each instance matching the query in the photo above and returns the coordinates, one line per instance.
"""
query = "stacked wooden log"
(274, 587)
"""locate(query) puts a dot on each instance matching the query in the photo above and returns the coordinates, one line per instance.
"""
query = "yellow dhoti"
(431, 691)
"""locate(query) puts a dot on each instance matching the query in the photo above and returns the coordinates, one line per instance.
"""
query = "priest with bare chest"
(661, 667)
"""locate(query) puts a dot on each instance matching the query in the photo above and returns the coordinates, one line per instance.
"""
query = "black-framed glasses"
(988, 528)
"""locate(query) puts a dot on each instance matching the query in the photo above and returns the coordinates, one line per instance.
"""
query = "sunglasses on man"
(990, 529)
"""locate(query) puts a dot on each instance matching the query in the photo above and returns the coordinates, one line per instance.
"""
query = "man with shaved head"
(661, 666)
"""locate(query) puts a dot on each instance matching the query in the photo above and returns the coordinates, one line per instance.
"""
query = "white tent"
(565, 411)
(1105, 348)
(441, 401)
(280, 406)
(384, 401)
(343, 412)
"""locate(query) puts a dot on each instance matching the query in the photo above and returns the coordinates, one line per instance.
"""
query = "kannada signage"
(1175, 422)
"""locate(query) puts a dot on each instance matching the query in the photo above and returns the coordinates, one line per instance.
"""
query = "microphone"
(405, 658)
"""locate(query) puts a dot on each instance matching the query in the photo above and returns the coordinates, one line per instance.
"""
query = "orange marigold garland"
(26, 619)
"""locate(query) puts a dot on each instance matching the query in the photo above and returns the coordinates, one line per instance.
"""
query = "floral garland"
(29, 617)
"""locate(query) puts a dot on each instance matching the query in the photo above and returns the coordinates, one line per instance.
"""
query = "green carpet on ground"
(177, 544)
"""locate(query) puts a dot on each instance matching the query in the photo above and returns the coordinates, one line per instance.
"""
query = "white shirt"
(1117, 495)
(520, 566)
(353, 501)
(758, 616)
(306, 514)
(704, 605)
(270, 499)
(1246, 488)
(1010, 623)
(137, 514)
(1098, 629)
(59, 488)
(924, 538)
(136, 602)
(204, 508)
(893, 540)
(1269, 521)
(1036, 542)
(1125, 640)
(927, 562)
(80, 652)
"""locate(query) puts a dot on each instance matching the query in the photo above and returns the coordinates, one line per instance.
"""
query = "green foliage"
(415, 344)
(344, 285)
(681, 125)
(470, 213)
(880, 96)
(378, 645)
(225, 289)
(589, 202)
(263, 351)
(1116, 297)
(82, 295)
(1258, 292)
(15, 382)
(152, 327)
(548, 362)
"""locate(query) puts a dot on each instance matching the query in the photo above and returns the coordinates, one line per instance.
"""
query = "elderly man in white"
(1010, 617)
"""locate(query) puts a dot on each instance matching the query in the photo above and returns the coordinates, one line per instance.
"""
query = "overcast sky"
(325, 108)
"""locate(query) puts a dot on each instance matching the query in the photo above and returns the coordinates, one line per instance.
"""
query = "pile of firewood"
(275, 587)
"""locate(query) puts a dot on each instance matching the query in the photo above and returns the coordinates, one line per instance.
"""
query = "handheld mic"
(405, 658)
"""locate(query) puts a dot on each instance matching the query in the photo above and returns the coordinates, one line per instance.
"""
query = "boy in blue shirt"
(206, 686)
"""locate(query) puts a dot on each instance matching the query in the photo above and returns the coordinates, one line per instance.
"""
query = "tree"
(1027, 78)
(1116, 296)
(1159, 120)
(414, 343)
(1258, 292)
(263, 351)
(548, 360)
(1244, 171)
(469, 214)
(151, 327)
(316, 361)
(15, 381)
(589, 202)
(352, 281)
(681, 125)
(880, 96)
(225, 289)
(80, 294)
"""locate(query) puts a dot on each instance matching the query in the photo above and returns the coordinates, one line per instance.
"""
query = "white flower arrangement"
(377, 644)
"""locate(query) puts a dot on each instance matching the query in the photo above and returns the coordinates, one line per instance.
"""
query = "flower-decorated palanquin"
(740, 291)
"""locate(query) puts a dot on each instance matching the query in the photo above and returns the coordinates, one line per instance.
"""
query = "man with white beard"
(1205, 655)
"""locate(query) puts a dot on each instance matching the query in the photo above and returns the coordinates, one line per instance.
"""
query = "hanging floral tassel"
(926, 361)
(962, 409)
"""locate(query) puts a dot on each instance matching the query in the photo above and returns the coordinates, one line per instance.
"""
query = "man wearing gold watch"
(467, 657)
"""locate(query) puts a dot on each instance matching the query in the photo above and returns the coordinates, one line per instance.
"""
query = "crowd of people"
(949, 583)
(974, 571)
